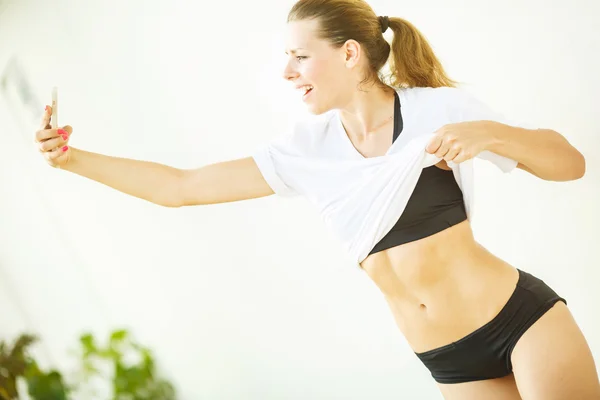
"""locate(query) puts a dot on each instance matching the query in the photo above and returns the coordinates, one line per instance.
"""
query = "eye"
(300, 58)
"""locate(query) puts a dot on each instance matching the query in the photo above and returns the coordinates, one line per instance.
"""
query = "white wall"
(255, 300)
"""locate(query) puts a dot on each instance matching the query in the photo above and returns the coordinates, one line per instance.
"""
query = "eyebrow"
(293, 51)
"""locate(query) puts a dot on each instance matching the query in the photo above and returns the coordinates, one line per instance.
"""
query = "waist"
(422, 264)
(441, 287)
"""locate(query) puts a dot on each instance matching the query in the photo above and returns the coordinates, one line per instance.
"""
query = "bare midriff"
(443, 287)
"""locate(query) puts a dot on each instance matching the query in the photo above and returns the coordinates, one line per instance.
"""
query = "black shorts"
(485, 353)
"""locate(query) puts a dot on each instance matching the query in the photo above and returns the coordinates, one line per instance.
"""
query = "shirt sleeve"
(271, 161)
(466, 107)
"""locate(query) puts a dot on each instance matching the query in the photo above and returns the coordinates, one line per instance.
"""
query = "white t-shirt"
(360, 199)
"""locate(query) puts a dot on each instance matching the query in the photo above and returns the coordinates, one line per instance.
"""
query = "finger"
(51, 144)
(56, 155)
(443, 149)
(462, 156)
(46, 134)
(69, 129)
(46, 118)
(434, 144)
(452, 153)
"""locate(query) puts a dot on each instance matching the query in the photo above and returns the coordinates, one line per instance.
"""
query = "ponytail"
(412, 62)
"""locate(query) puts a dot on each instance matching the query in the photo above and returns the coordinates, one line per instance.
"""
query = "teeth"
(307, 88)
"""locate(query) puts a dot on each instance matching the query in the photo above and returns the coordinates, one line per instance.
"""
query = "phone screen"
(54, 120)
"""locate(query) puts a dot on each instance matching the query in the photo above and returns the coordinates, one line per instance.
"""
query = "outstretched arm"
(222, 182)
(160, 184)
(167, 186)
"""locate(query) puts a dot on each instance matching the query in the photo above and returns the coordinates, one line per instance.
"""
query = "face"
(323, 75)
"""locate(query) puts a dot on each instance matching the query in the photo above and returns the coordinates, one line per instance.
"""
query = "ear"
(352, 52)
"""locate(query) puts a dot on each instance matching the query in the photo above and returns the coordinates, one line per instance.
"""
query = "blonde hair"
(412, 62)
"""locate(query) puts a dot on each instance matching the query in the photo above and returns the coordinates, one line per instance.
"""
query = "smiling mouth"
(306, 90)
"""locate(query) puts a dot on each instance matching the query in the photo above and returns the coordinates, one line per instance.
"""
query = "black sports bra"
(435, 204)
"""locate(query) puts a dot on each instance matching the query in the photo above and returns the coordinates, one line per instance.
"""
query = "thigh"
(491, 389)
(552, 360)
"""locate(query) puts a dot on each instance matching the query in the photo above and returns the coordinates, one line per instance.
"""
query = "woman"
(485, 329)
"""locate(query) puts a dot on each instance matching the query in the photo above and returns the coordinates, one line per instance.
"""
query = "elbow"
(562, 163)
(169, 202)
(173, 194)
(573, 167)
(578, 165)
(573, 161)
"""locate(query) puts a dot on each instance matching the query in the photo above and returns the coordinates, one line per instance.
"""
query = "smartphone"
(54, 118)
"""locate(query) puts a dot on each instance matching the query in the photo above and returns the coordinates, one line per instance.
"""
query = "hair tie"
(384, 22)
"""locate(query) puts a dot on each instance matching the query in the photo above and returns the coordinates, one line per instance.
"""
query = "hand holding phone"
(51, 140)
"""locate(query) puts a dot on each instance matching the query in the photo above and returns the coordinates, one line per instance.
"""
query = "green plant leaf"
(48, 386)
(119, 335)
(14, 362)
(88, 344)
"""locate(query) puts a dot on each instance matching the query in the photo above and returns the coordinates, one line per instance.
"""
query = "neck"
(366, 112)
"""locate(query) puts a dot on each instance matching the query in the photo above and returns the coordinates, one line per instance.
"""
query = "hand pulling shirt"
(361, 199)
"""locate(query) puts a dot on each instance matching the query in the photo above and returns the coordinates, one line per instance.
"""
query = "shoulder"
(426, 109)
(453, 103)
(440, 96)
(312, 127)
(305, 135)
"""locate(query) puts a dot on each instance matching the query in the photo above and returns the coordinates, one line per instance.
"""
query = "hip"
(486, 352)
(441, 288)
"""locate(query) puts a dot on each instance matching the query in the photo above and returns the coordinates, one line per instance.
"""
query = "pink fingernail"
(64, 137)
(65, 148)
(62, 132)
(46, 108)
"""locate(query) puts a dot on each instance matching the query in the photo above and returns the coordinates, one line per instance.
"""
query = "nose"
(289, 73)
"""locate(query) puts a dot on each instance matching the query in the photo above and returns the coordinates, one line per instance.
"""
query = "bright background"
(255, 300)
